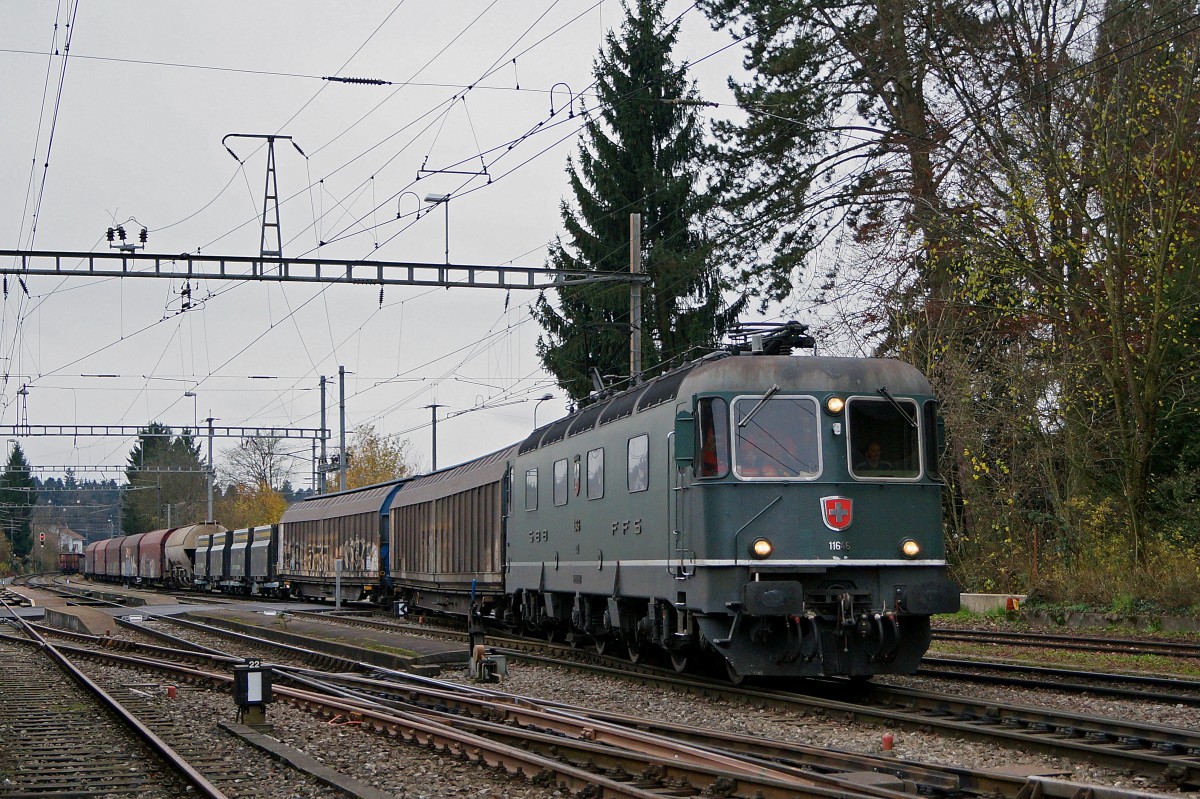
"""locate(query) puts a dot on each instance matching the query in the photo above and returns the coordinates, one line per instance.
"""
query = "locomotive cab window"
(595, 473)
(639, 463)
(560, 482)
(776, 438)
(884, 438)
(713, 415)
(531, 489)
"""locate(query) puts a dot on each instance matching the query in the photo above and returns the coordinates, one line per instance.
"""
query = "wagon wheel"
(604, 644)
(735, 676)
(635, 652)
(679, 661)
(552, 635)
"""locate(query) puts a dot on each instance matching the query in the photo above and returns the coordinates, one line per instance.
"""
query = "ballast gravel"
(413, 772)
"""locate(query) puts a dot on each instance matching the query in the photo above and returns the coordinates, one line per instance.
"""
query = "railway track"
(1172, 756)
(1122, 646)
(1137, 687)
(53, 717)
(222, 769)
(43, 720)
(1169, 755)
(607, 754)
(640, 768)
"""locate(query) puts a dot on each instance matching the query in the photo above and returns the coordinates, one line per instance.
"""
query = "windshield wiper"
(888, 395)
(772, 391)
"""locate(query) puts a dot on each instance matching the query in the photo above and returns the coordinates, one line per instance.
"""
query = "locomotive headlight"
(910, 548)
(834, 405)
(761, 548)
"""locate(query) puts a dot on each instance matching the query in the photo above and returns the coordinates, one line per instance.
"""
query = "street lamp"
(195, 410)
(444, 199)
(433, 407)
(540, 400)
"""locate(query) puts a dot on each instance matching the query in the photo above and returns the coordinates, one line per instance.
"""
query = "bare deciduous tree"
(257, 461)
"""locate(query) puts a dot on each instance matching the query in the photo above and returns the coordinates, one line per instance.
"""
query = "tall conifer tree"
(145, 506)
(642, 152)
(17, 498)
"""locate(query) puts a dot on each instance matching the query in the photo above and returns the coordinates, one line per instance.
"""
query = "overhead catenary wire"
(219, 367)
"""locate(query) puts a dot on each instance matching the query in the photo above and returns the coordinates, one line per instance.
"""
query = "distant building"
(70, 541)
(58, 538)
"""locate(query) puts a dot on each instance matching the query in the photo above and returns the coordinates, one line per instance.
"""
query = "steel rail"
(1039, 733)
(1101, 685)
(169, 755)
(1108, 742)
(418, 728)
(969, 777)
(478, 710)
(190, 653)
(523, 722)
(1132, 646)
(1103, 741)
(531, 715)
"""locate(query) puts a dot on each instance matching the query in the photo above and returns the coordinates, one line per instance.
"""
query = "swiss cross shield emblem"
(837, 512)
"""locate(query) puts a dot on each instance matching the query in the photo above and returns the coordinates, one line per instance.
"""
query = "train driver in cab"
(872, 460)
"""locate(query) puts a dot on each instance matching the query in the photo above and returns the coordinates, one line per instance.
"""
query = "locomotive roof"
(808, 373)
(723, 372)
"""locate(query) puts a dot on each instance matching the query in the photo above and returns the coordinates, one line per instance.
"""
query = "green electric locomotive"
(776, 514)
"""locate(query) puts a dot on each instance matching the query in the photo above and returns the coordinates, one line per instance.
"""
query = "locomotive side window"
(531, 489)
(639, 463)
(776, 437)
(884, 440)
(934, 439)
(560, 482)
(595, 473)
(713, 415)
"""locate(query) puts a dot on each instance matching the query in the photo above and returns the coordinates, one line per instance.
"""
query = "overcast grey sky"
(134, 122)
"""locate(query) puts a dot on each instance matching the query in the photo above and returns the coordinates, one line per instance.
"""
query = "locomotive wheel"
(679, 661)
